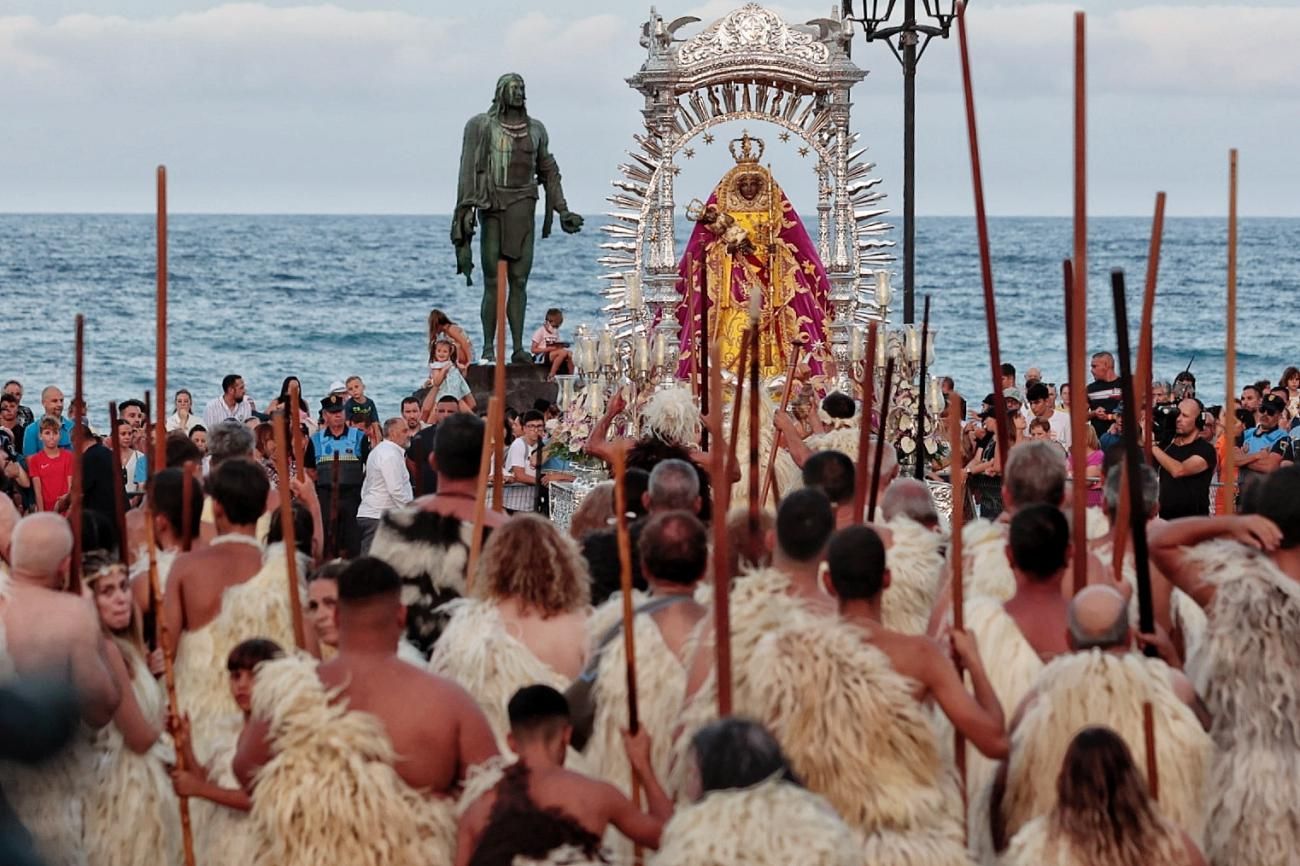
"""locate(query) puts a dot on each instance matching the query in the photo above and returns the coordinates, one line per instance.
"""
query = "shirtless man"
(166, 496)
(1038, 548)
(50, 633)
(832, 473)
(540, 806)
(858, 577)
(432, 726)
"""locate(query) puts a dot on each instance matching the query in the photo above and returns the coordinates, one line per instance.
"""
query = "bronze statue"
(505, 155)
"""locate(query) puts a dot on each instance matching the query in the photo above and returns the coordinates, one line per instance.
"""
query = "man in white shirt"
(521, 461)
(387, 484)
(1041, 404)
(233, 403)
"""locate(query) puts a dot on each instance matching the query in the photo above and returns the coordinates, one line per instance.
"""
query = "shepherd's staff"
(867, 386)
(1079, 308)
(776, 439)
(159, 458)
(1137, 512)
(1230, 350)
(499, 389)
(1146, 344)
(119, 494)
(299, 446)
(286, 525)
(78, 437)
(1078, 431)
(957, 477)
(720, 472)
(986, 263)
(879, 457)
(490, 432)
(169, 677)
(920, 392)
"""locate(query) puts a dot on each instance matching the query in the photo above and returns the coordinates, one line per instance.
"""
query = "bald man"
(9, 517)
(54, 634)
(1102, 682)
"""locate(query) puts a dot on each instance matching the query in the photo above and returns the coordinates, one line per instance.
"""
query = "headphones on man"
(1200, 412)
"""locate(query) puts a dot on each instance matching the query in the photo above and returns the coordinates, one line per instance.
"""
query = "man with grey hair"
(228, 439)
(387, 484)
(49, 632)
(674, 486)
(910, 498)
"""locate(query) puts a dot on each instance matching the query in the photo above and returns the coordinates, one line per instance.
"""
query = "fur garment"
(430, 552)
(1248, 670)
(477, 652)
(766, 433)
(258, 607)
(1036, 845)
(1185, 614)
(842, 436)
(330, 793)
(221, 834)
(140, 565)
(915, 558)
(771, 824)
(132, 815)
(1099, 688)
(985, 569)
(847, 721)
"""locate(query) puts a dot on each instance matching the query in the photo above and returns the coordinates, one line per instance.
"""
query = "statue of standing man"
(505, 155)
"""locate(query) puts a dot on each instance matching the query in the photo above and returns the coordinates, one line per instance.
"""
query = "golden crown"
(746, 153)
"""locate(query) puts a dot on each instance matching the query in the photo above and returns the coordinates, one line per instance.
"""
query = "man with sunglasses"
(1266, 447)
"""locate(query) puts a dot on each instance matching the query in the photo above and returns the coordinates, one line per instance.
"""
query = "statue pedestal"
(525, 384)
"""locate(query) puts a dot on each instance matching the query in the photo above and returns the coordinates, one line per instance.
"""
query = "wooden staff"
(499, 388)
(491, 431)
(286, 525)
(1230, 350)
(299, 446)
(704, 353)
(625, 580)
(160, 351)
(1146, 360)
(720, 471)
(187, 506)
(734, 445)
(957, 475)
(75, 495)
(1153, 763)
(986, 263)
(776, 439)
(169, 678)
(1078, 431)
(867, 386)
(921, 393)
(119, 494)
(754, 504)
(879, 456)
(334, 509)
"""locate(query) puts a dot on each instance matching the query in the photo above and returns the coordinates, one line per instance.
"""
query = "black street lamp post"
(875, 15)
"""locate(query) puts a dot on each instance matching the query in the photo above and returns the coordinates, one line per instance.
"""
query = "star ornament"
(784, 136)
(689, 153)
(708, 138)
(803, 151)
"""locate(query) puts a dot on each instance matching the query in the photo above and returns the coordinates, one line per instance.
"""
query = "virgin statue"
(749, 245)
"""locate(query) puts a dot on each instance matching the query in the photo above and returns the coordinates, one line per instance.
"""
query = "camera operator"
(1187, 464)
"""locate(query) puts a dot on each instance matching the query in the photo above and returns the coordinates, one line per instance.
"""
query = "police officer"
(343, 450)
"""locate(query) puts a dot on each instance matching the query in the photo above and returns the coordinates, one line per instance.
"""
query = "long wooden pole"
(1230, 350)
(921, 392)
(770, 475)
(625, 581)
(286, 524)
(79, 433)
(499, 389)
(490, 432)
(741, 366)
(1078, 432)
(754, 397)
(119, 494)
(867, 387)
(879, 456)
(704, 351)
(187, 506)
(169, 677)
(299, 446)
(720, 472)
(986, 262)
(957, 476)
(1146, 337)
(160, 356)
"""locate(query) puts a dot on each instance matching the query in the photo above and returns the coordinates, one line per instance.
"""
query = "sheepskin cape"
(131, 811)
(843, 437)
(661, 687)
(985, 569)
(48, 798)
(1186, 615)
(1248, 670)
(477, 652)
(330, 793)
(221, 834)
(1035, 845)
(1099, 688)
(771, 824)
(845, 718)
(258, 607)
(430, 552)
(915, 559)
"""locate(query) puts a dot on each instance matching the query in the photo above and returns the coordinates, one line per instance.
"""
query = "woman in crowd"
(440, 326)
(282, 400)
(131, 812)
(1103, 814)
(181, 419)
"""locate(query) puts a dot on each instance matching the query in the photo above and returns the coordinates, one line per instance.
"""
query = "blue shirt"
(32, 437)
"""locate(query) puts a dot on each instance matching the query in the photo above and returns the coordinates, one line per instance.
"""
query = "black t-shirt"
(424, 480)
(1103, 395)
(1188, 496)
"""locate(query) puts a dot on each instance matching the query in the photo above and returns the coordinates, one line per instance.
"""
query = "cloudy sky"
(357, 106)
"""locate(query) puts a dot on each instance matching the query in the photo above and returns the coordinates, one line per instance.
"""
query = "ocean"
(324, 297)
